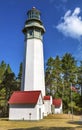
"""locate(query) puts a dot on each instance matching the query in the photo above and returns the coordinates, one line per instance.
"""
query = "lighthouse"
(31, 103)
(33, 65)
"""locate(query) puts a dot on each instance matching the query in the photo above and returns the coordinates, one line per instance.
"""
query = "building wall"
(58, 110)
(47, 107)
(40, 107)
(33, 73)
(22, 112)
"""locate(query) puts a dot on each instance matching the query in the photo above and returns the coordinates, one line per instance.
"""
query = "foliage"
(52, 76)
(8, 84)
(19, 77)
(60, 74)
(2, 70)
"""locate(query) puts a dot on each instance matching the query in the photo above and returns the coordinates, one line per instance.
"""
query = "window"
(30, 32)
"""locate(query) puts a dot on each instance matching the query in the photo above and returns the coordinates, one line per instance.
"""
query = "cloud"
(71, 24)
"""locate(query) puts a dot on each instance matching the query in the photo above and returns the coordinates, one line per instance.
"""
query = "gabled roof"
(46, 97)
(57, 102)
(24, 97)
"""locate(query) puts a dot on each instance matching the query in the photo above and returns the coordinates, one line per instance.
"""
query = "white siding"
(33, 73)
(22, 112)
(47, 107)
(58, 110)
(40, 107)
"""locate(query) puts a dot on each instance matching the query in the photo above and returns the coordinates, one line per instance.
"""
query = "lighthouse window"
(30, 32)
(34, 15)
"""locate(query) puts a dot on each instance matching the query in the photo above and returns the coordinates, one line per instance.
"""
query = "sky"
(62, 20)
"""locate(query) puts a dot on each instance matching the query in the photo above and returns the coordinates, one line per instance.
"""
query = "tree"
(60, 74)
(69, 67)
(19, 77)
(2, 70)
(48, 75)
(53, 76)
(69, 70)
(57, 71)
(8, 85)
(80, 77)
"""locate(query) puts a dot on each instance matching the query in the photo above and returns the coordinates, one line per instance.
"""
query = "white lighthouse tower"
(33, 67)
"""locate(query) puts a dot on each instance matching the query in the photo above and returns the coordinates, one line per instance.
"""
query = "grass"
(52, 122)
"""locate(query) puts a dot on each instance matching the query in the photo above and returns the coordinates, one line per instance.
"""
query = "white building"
(57, 103)
(26, 105)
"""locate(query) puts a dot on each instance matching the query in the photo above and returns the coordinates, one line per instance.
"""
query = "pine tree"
(2, 70)
(53, 76)
(19, 77)
(8, 85)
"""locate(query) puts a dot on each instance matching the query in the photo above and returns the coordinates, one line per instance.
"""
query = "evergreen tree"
(48, 75)
(19, 77)
(60, 75)
(53, 76)
(2, 70)
(8, 85)
(69, 70)
(80, 77)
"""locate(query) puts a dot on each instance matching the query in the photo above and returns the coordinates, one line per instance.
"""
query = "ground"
(52, 122)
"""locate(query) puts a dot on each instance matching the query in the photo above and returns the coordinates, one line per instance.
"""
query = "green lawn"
(52, 122)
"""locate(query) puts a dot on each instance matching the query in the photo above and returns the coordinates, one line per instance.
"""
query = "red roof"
(57, 102)
(46, 97)
(24, 97)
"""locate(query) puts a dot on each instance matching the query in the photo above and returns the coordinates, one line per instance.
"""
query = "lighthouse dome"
(33, 14)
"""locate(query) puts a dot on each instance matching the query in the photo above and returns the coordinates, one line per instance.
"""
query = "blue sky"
(62, 20)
